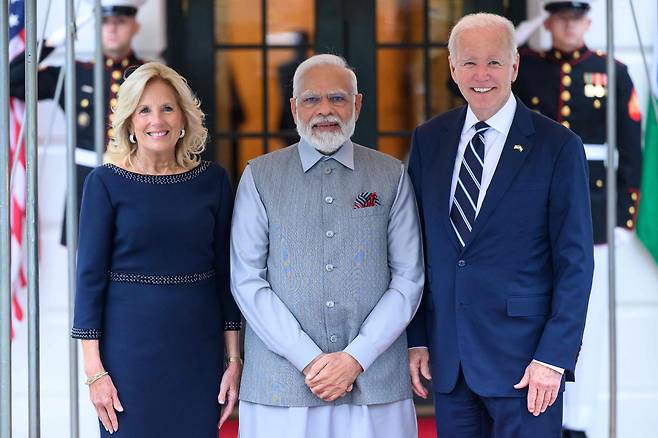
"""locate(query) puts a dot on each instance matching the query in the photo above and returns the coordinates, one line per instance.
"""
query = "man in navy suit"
(504, 201)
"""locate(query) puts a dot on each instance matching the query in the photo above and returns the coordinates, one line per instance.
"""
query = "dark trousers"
(465, 414)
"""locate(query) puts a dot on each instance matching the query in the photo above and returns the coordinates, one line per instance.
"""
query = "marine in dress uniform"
(571, 86)
(115, 69)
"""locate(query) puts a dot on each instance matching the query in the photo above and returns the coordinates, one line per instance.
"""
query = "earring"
(182, 133)
(131, 137)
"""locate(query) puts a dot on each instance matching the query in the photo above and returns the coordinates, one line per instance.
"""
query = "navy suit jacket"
(519, 288)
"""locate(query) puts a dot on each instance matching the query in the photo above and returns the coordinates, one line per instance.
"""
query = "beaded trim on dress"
(160, 179)
(89, 333)
(127, 277)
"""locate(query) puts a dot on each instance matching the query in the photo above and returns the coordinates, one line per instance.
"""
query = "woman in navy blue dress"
(153, 307)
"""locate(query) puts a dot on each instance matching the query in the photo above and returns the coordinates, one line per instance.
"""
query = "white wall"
(637, 273)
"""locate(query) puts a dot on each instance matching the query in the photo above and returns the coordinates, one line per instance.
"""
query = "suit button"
(327, 170)
(461, 263)
(333, 338)
(329, 267)
(330, 304)
(329, 200)
(329, 234)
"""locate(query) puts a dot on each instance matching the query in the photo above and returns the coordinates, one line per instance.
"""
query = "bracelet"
(96, 377)
(237, 359)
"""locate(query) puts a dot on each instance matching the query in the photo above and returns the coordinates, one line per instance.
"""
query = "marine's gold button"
(534, 100)
(566, 81)
(599, 183)
(84, 103)
(597, 103)
(566, 68)
(566, 124)
(116, 74)
(629, 223)
(631, 209)
(565, 111)
(109, 63)
(113, 102)
(634, 196)
(114, 88)
(565, 96)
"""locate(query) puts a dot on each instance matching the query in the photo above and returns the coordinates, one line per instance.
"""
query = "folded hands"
(331, 375)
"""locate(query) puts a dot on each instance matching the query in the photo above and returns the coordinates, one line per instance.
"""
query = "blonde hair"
(190, 146)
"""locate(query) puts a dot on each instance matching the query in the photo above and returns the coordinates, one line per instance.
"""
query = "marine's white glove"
(58, 37)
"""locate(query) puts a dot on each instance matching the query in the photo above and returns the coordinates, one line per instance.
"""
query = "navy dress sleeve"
(94, 255)
(230, 312)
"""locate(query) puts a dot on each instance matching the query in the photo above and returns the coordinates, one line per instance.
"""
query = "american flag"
(18, 186)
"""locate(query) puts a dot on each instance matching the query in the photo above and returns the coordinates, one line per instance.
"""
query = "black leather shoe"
(568, 433)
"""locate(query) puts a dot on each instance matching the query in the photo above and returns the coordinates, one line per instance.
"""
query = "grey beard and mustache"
(326, 142)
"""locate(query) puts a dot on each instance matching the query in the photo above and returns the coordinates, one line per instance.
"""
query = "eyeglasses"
(337, 99)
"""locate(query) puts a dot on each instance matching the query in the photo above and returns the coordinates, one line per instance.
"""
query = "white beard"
(326, 142)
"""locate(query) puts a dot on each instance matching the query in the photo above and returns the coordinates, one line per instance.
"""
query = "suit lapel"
(511, 161)
(446, 156)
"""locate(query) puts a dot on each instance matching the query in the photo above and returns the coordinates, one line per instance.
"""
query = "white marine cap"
(121, 7)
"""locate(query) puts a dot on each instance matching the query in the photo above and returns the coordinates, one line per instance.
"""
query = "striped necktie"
(465, 200)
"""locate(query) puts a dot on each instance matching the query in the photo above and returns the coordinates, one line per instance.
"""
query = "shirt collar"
(310, 156)
(501, 121)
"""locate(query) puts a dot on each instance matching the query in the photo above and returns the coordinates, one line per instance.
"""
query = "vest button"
(327, 170)
(329, 267)
(329, 234)
(333, 338)
(328, 199)
(330, 304)
(461, 263)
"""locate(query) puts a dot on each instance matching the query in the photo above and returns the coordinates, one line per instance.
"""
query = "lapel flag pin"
(518, 147)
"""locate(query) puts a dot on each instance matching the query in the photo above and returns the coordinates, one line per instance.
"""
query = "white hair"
(319, 60)
(479, 21)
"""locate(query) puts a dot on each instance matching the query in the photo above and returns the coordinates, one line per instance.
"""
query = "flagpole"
(32, 215)
(5, 240)
(71, 207)
(99, 87)
(611, 207)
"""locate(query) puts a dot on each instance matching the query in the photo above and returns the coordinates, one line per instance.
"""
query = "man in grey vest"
(327, 268)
